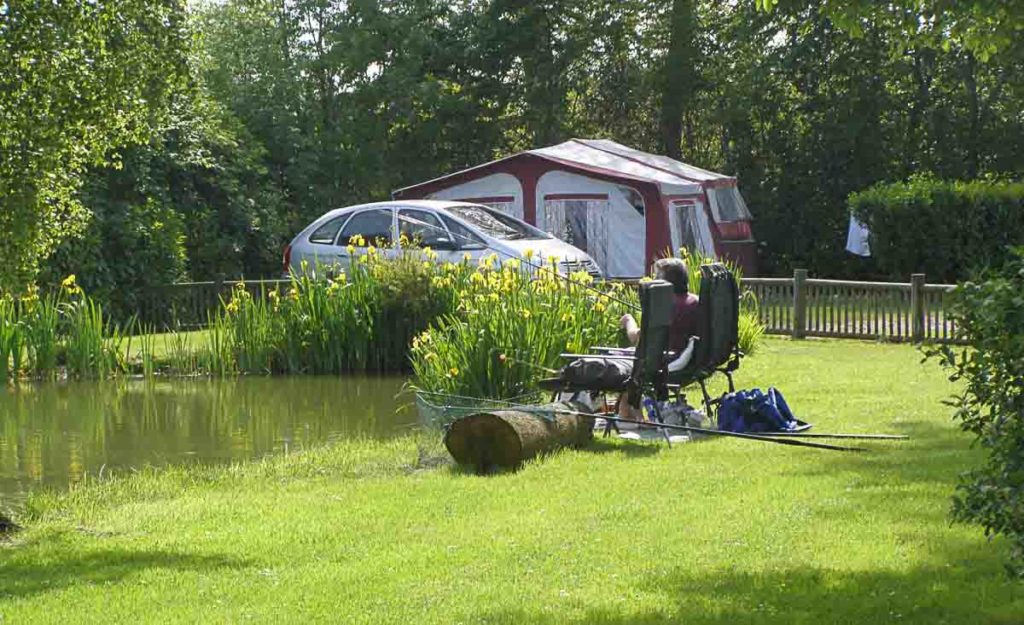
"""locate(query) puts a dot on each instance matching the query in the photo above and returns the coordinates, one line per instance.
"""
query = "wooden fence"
(799, 306)
(897, 311)
(189, 304)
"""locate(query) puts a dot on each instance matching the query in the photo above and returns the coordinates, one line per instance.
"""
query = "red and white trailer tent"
(624, 207)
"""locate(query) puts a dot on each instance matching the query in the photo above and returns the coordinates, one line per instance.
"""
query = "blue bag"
(757, 411)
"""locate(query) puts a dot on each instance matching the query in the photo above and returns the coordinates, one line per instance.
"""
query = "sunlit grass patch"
(718, 531)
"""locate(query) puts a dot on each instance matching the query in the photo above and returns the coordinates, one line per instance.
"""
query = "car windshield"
(496, 224)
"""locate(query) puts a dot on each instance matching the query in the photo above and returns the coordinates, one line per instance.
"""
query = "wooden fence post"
(917, 307)
(799, 303)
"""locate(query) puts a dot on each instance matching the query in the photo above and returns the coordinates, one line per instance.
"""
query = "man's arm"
(628, 323)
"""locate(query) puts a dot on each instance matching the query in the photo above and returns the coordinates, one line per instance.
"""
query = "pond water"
(54, 434)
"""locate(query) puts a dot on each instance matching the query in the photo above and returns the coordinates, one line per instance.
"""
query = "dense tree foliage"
(289, 108)
(77, 80)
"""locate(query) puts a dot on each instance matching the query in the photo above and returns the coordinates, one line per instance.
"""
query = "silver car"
(452, 229)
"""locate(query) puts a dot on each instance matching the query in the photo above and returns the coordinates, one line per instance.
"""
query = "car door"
(373, 227)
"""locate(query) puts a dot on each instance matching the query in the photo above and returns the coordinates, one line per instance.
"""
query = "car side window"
(326, 233)
(464, 237)
(421, 228)
(372, 227)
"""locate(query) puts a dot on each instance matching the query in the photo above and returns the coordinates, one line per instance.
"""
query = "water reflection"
(53, 434)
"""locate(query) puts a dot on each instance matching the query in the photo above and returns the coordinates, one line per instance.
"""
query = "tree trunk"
(680, 76)
(507, 438)
(971, 88)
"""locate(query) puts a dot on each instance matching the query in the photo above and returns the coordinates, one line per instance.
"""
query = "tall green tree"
(78, 80)
(680, 75)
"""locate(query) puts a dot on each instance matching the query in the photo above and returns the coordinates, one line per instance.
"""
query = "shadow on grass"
(31, 573)
(933, 455)
(950, 594)
(636, 449)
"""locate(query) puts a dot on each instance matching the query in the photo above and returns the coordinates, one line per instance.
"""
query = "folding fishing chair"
(656, 371)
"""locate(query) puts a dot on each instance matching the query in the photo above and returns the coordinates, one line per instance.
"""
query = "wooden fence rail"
(799, 306)
(189, 304)
(896, 311)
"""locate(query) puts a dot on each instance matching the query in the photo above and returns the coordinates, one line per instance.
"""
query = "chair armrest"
(684, 358)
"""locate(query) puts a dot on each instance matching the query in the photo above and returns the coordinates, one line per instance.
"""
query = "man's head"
(674, 271)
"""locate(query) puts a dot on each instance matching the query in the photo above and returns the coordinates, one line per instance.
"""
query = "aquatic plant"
(511, 327)
(145, 335)
(41, 318)
(11, 338)
(360, 319)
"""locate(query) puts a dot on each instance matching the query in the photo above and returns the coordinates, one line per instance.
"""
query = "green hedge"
(944, 229)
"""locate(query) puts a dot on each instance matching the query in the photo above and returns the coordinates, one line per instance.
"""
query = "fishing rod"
(873, 437)
(688, 428)
(726, 433)
(467, 239)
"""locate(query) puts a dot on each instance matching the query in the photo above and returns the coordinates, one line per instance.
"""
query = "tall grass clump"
(180, 356)
(146, 337)
(11, 338)
(510, 327)
(41, 319)
(60, 332)
(93, 342)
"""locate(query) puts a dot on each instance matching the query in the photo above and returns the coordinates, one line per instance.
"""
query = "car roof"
(434, 204)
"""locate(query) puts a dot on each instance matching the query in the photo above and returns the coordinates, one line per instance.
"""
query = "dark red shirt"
(685, 321)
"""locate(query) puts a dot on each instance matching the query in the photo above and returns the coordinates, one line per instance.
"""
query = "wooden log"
(507, 438)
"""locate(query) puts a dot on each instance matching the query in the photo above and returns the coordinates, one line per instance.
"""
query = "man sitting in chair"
(685, 315)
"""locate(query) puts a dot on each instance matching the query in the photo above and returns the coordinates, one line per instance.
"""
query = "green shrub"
(940, 228)
(989, 314)
(363, 319)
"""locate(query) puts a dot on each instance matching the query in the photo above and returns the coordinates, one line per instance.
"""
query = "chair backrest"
(656, 307)
(723, 313)
(718, 311)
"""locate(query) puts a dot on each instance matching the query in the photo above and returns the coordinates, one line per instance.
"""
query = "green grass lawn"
(163, 343)
(715, 532)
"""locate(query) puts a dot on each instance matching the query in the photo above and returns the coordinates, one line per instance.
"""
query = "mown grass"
(720, 531)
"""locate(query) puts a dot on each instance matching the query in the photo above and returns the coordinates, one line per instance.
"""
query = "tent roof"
(654, 161)
(611, 158)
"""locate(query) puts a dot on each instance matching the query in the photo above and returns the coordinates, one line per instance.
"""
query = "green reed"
(180, 355)
(511, 327)
(11, 339)
(146, 336)
(41, 316)
(92, 344)
(217, 356)
(360, 319)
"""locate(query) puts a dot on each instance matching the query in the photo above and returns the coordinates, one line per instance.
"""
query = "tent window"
(727, 205)
(635, 199)
(581, 223)
(692, 230)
